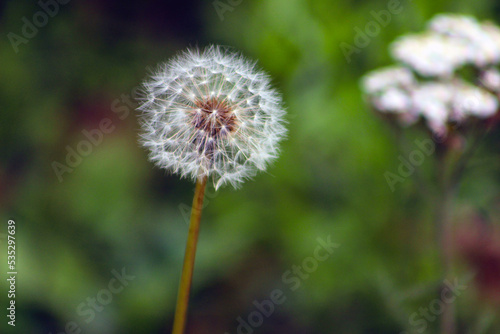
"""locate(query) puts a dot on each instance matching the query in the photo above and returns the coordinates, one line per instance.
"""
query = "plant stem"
(449, 179)
(189, 256)
(449, 174)
(446, 250)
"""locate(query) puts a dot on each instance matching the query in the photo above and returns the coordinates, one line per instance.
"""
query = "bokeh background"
(115, 210)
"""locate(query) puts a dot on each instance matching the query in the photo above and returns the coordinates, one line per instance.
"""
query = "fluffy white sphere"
(212, 114)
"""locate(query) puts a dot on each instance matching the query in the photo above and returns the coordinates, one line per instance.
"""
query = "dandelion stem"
(189, 256)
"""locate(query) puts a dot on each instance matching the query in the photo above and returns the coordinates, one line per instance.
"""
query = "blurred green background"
(115, 211)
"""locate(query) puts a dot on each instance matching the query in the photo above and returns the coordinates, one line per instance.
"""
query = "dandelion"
(209, 115)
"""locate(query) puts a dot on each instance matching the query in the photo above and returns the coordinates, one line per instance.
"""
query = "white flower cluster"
(427, 83)
(450, 42)
(211, 114)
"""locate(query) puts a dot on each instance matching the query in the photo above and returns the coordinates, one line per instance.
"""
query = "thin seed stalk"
(189, 256)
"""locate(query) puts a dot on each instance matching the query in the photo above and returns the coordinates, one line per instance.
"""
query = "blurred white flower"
(393, 100)
(482, 40)
(431, 54)
(388, 89)
(443, 103)
(490, 78)
(452, 41)
(457, 25)
(493, 32)
(438, 94)
(391, 76)
(211, 114)
(470, 100)
(432, 100)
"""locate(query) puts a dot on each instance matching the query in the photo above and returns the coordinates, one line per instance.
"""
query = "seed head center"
(215, 117)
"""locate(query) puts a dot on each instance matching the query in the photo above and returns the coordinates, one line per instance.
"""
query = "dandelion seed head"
(211, 113)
